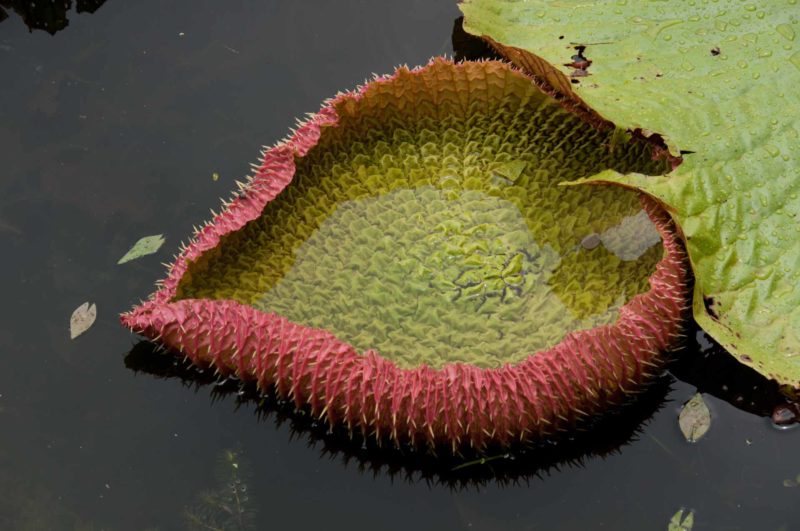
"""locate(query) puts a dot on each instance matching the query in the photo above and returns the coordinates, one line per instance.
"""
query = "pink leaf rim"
(458, 405)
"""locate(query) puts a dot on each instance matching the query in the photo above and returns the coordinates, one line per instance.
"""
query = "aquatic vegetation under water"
(227, 507)
(408, 264)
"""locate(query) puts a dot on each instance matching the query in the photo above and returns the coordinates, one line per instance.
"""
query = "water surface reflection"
(709, 368)
(47, 15)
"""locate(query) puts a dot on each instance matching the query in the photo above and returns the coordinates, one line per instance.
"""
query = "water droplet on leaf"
(785, 31)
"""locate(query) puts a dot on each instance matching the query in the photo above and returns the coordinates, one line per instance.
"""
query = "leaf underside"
(718, 81)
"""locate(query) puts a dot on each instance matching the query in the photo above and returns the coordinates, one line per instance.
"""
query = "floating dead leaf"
(145, 246)
(792, 482)
(680, 523)
(695, 418)
(82, 319)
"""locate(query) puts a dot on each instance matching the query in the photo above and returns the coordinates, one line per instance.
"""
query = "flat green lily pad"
(718, 81)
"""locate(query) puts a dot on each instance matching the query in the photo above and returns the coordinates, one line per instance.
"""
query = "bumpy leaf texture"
(717, 80)
(406, 264)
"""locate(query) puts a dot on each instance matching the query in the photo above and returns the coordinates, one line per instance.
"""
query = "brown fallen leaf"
(82, 319)
(695, 418)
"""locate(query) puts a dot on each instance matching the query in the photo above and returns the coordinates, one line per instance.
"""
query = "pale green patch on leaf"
(679, 522)
(511, 170)
(695, 418)
(718, 80)
(145, 246)
(82, 319)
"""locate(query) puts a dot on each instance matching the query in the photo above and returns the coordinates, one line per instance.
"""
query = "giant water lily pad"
(407, 264)
(718, 81)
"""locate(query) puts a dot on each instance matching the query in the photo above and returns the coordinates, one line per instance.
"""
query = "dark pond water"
(110, 130)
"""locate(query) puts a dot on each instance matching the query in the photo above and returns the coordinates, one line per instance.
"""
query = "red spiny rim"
(459, 405)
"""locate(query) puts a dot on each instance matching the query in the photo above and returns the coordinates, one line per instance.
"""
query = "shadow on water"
(700, 363)
(468, 47)
(47, 15)
(603, 437)
(712, 370)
